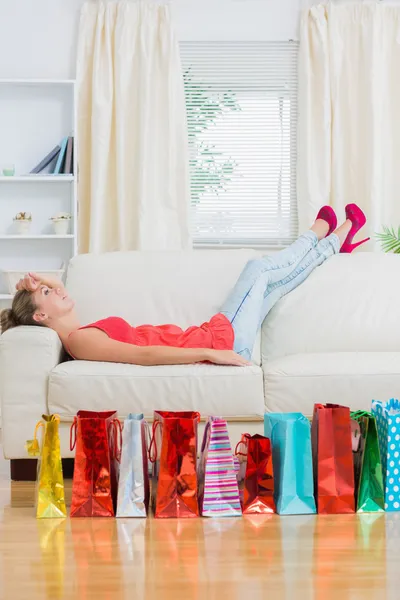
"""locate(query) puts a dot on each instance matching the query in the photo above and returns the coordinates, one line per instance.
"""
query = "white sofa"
(334, 339)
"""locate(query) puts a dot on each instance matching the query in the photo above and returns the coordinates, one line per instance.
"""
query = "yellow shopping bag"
(50, 498)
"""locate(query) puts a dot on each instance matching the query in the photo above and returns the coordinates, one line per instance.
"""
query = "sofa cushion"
(354, 379)
(184, 288)
(210, 389)
(349, 304)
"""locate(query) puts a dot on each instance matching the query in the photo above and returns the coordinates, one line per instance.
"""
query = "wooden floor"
(289, 558)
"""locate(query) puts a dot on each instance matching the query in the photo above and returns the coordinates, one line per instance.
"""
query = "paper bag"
(219, 493)
(50, 497)
(290, 437)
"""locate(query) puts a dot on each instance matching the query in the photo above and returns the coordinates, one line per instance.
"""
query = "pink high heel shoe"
(328, 214)
(358, 220)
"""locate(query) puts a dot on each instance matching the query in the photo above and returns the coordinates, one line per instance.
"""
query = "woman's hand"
(227, 357)
(30, 283)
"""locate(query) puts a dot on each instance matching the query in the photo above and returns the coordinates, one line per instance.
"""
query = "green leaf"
(390, 239)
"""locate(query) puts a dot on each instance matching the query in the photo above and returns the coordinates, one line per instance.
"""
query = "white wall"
(38, 37)
(236, 19)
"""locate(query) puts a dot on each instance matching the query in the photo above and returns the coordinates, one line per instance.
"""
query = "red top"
(217, 334)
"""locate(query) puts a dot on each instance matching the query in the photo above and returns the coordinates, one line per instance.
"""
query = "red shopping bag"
(173, 452)
(333, 459)
(97, 436)
(258, 483)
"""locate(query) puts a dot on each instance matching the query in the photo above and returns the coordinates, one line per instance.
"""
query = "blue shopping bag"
(387, 416)
(290, 435)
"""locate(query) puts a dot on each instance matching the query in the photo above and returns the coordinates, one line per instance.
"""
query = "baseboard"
(25, 469)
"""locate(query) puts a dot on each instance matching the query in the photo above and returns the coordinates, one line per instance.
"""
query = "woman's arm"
(32, 281)
(93, 344)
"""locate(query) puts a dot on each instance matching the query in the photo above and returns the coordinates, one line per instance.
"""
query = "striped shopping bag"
(219, 492)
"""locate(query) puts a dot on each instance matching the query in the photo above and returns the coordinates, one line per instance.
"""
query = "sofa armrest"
(27, 356)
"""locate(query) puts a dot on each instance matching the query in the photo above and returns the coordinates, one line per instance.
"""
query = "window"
(241, 100)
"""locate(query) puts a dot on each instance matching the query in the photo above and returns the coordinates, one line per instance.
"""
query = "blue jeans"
(265, 280)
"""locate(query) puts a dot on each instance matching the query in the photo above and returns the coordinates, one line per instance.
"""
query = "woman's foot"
(328, 215)
(355, 215)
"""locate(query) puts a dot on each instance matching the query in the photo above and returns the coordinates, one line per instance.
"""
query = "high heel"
(328, 214)
(358, 220)
(347, 247)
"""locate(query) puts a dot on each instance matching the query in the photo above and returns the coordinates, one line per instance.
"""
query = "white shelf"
(37, 178)
(44, 112)
(37, 81)
(37, 237)
(6, 297)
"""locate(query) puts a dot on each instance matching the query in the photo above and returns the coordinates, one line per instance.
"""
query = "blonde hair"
(21, 313)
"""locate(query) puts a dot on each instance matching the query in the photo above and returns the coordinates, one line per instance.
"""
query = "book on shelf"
(62, 156)
(68, 165)
(47, 160)
(59, 168)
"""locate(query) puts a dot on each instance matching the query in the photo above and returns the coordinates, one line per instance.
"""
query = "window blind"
(241, 100)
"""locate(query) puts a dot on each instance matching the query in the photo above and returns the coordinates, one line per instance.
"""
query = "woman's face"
(52, 303)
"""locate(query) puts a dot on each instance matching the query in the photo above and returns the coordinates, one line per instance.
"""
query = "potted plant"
(390, 239)
(61, 223)
(23, 221)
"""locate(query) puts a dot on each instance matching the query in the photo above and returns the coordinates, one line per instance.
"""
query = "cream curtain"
(349, 111)
(132, 131)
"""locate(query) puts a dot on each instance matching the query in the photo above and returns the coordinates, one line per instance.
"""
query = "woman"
(228, 338)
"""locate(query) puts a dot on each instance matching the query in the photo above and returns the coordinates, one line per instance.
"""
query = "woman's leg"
(273, 268)
(282, 263)
(324, 250)
(266, 291)
(312, 260)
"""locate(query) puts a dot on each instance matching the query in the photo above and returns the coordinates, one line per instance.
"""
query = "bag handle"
(156, 423)
(73, 430)
(39, 424)
(55, 417)
(153, 459)
(32, 446)
(147, 435)
(116, 449)
(360, 413)
(206, 430)
(244, 441)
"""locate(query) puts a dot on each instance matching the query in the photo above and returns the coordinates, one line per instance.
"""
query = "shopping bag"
(290, 437)
(50, 498)
(368, 475)
(218, 489)
(387, 416)
(258, 482)
(133, 485)
(97, 436)
(333, 459)
(173, 452)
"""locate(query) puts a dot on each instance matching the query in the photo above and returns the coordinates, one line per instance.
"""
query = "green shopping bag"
(370, 495)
